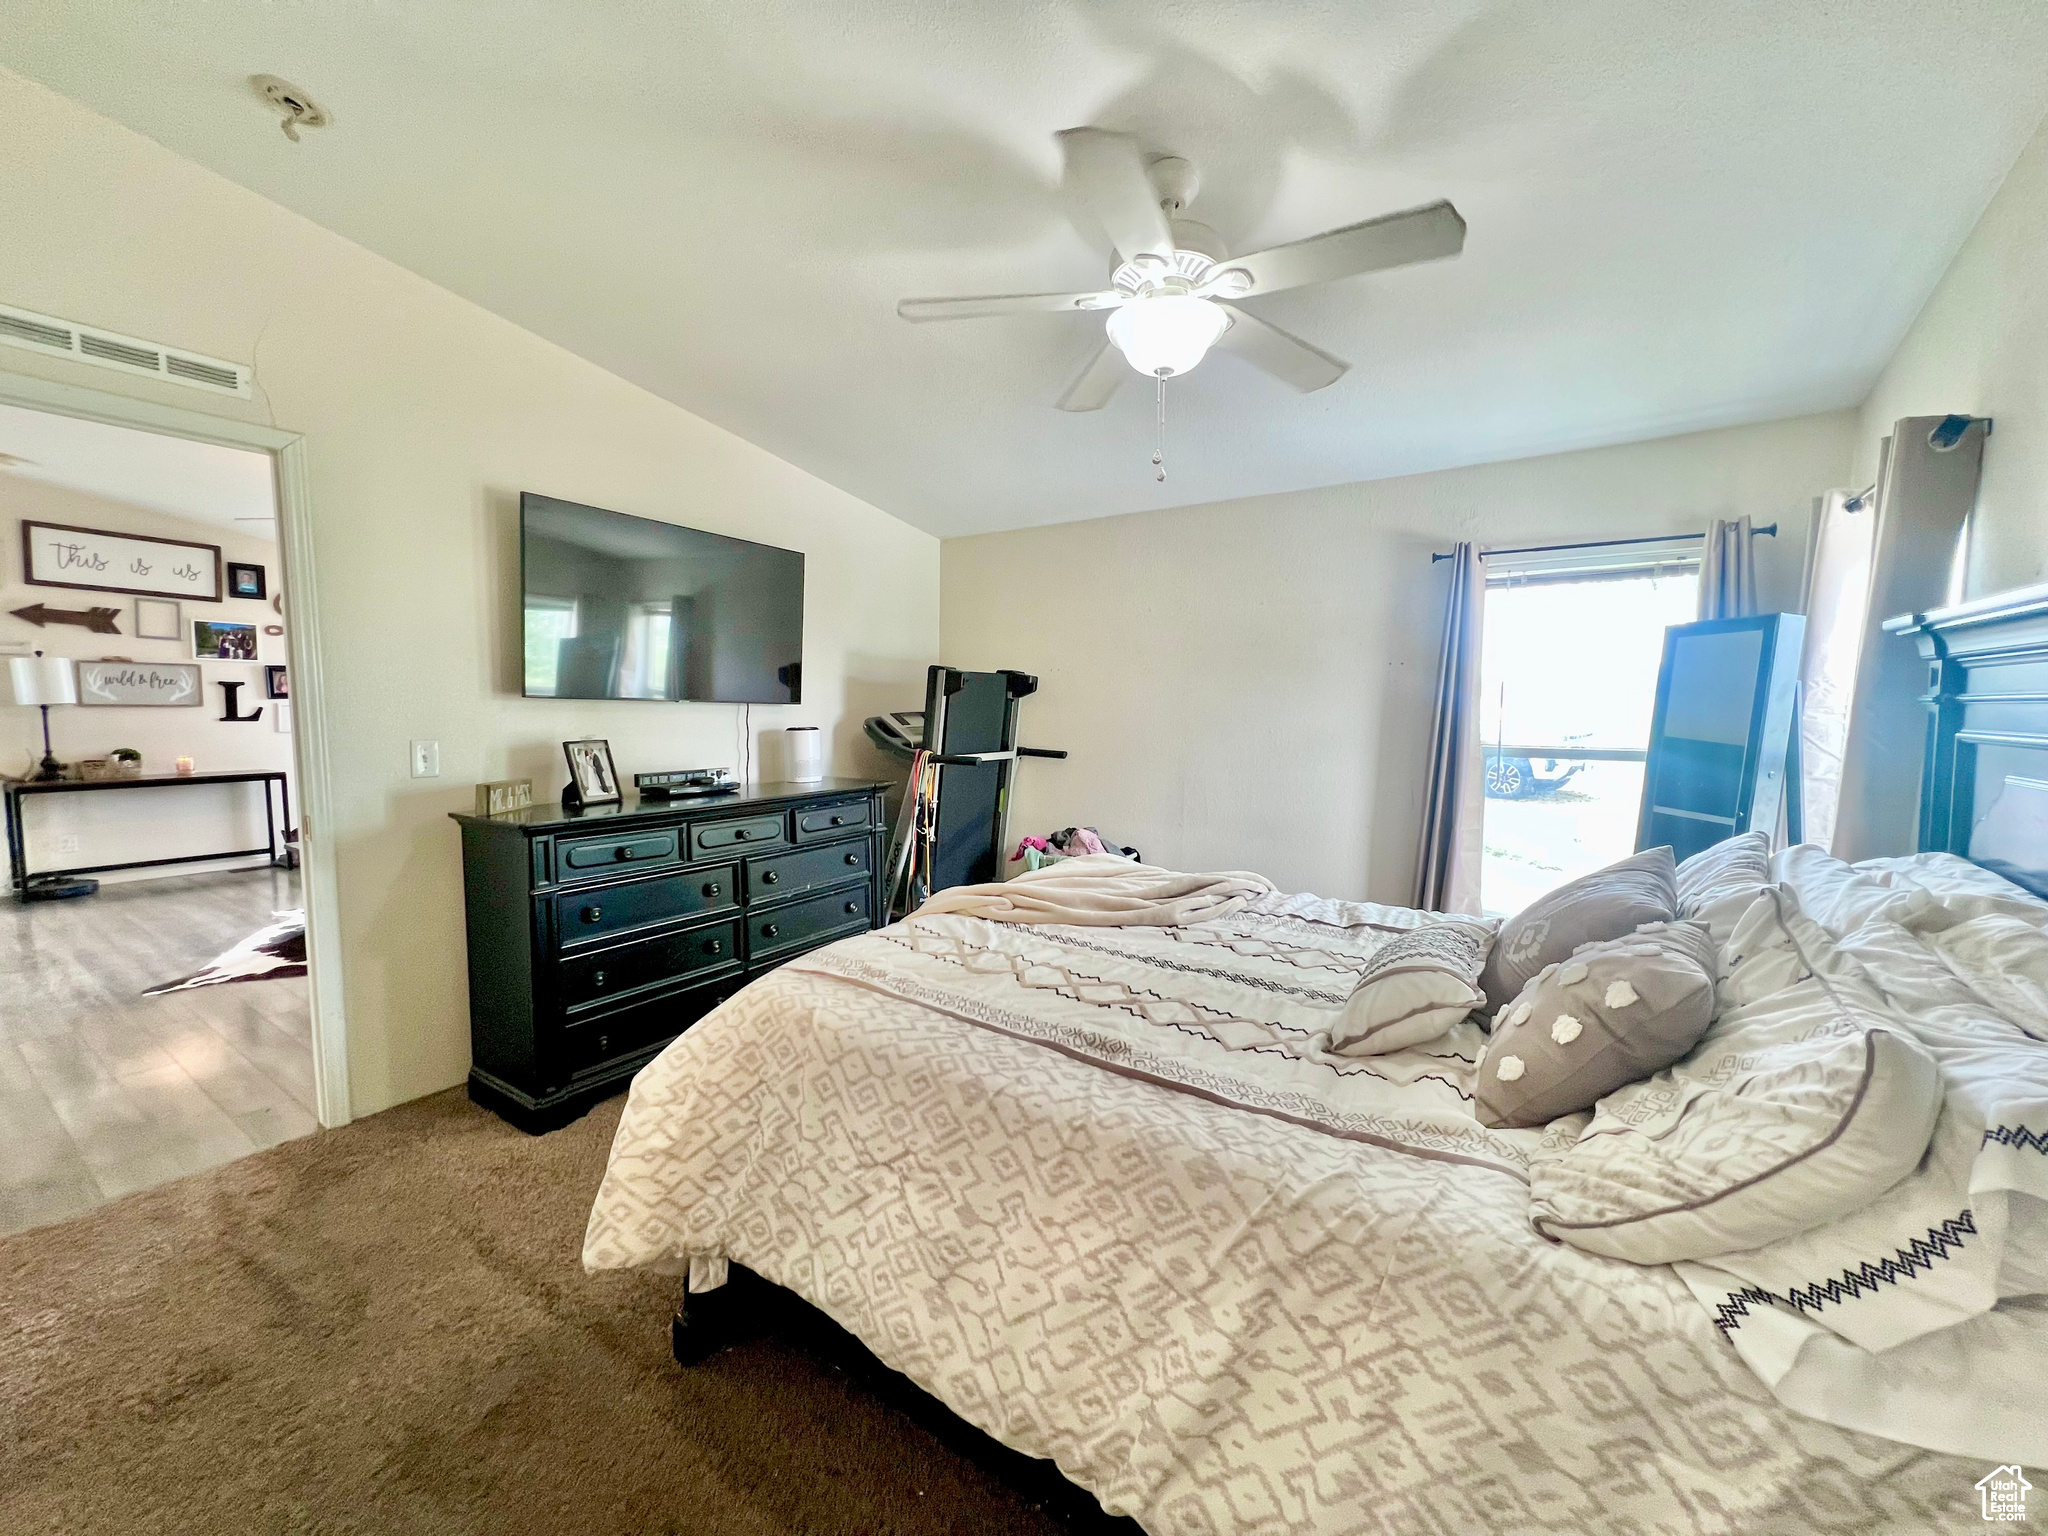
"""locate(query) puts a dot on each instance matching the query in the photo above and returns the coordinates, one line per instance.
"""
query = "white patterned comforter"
(1102, 1194)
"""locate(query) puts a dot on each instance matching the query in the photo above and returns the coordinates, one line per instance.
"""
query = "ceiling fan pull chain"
(1159, 453)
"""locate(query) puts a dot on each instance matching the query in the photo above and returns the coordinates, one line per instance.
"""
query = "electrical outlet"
(67, 844)
(426, 759)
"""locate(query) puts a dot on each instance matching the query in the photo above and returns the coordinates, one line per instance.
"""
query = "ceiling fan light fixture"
(1165, 334)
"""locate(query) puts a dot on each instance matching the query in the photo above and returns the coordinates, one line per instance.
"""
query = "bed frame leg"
(707, 1322)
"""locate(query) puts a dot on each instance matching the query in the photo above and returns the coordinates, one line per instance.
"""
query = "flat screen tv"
(619, 607)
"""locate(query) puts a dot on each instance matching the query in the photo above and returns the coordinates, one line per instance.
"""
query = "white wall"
(1980, 345)
(425, 417)
(1247, 684)
(139, 823)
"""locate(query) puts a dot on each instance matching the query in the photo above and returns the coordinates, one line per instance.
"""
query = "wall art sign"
(94, 560)
(139, 682)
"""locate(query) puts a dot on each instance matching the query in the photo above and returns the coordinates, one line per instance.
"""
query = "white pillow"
(1804, 1102)
(1417, 986)
(1717, 884)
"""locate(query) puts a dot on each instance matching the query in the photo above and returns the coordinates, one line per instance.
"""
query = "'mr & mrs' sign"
(96, 561)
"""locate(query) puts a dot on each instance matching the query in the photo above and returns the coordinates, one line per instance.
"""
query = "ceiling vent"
(105, 349)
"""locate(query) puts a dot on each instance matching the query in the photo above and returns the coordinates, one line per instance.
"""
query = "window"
(1568, 682)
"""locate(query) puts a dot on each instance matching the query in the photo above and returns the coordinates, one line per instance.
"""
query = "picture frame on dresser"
(593, 776)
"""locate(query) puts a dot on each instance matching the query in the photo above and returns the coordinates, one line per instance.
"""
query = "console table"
(274, 814)
(596, 936)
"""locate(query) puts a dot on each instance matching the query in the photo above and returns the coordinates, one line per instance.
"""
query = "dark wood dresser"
(597, 936)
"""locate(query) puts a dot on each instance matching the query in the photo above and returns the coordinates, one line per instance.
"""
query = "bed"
(1104, 1194)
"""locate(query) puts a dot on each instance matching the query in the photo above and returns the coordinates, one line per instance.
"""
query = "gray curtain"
(1447, 862)
(1727, 571)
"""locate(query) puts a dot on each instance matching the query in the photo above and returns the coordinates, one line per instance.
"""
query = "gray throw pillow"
(1613, 1014)
(1642, 888)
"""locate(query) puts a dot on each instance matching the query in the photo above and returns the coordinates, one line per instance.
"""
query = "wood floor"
(104, 1091)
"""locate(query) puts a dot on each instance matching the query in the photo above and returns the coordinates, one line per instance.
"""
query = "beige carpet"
(386, 1329)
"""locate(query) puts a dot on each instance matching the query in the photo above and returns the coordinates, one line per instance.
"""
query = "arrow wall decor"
(101, 621)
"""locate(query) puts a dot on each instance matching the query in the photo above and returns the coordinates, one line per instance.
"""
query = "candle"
(184, 767)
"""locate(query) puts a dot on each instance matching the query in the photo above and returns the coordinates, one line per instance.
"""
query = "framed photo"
(223, 640)
(94, 560)
(591, 772)
(159, 618)
(275, 684)
(245, 580)
(159, 683)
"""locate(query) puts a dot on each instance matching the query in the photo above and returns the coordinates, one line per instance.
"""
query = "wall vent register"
(128, 354)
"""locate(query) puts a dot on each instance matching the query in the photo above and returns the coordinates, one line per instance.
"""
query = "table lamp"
(43, 680)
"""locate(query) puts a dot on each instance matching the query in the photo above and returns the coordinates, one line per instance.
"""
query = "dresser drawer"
(790, 874)
(583, 917)
(805, 922)
(584, 857)
(833, 820)
(592, 979)
(711, 838)
(594, 1044)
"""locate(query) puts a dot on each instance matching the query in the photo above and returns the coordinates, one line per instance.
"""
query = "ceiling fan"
(1170, 297)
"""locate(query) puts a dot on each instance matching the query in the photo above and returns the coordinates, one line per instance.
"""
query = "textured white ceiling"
(1682, 215)
(206, 482)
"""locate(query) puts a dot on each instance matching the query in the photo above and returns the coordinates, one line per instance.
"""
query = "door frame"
(287, 452)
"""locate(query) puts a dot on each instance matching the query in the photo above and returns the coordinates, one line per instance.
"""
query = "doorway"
(157, 1016)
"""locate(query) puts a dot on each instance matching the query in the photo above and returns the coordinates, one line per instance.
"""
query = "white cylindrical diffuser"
(805, 753)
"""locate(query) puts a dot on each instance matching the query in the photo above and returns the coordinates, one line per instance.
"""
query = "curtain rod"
(1662, 538)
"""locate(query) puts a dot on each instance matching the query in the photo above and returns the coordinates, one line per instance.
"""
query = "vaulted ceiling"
(1681, 215)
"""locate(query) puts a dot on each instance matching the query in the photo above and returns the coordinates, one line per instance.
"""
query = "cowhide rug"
(268, 954)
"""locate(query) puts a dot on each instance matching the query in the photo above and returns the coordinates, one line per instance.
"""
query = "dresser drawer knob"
(853, 906)
(771, 878)
(604, 1044)
(741, 834)
(837, 820)
(592, 914)
(770, 931)
(715, 947)
(714, 889)
(597, 979)
(853, 859)
(624, 852)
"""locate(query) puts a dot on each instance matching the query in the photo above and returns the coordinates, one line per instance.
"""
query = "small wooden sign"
(503, 795)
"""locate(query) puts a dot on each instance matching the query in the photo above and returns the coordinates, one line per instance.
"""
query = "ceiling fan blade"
(1393, 240)
(1092, 388)
(1288, 358)
(920, 310)
(1108, 171)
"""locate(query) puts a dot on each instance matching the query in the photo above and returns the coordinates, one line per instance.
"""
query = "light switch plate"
(426, 759)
